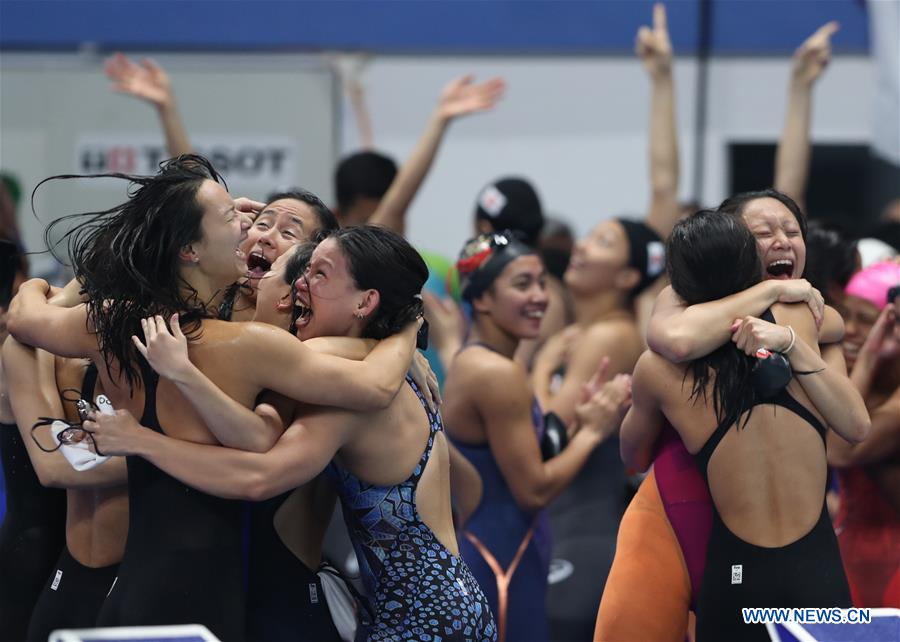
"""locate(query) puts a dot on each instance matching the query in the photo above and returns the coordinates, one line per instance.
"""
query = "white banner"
(267, 160)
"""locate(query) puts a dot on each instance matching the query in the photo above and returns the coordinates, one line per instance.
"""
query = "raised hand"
(166, 352)
(750, 334)
(881, 344)
(813, 55)
(462, 96)
(801, 290)
(147, 81)
(603, 412)
(653, 46)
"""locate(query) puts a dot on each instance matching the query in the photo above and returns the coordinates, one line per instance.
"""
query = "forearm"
(697, 330)
(881, 445)
(664, 166)
(792, 155)
(33, 394)
(232, 424)
(177, 142)
(559, 471)
(223, 472)
(391, 212)
(831, 392)
(863, 373)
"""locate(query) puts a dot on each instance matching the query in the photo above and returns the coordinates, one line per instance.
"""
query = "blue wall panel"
(428, 26)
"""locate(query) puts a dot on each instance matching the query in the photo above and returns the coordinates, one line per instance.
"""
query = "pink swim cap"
(873, 283)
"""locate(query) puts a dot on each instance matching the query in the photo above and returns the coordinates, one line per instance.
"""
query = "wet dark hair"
(831, 259)
(126, 257)
(327, 220)
(736, 204)
(363, 175)
(711, 255)
(378, 259)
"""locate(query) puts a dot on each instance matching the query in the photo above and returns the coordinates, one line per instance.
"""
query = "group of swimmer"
(248, 364)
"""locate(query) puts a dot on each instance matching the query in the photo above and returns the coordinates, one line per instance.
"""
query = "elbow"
(636, 459)
(860, 429)
(671, 345)
(49, 477)
(533, 502)
(257, 488)
(384, 395)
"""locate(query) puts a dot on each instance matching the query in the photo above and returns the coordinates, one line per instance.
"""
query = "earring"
(360, 315)
(196, 259)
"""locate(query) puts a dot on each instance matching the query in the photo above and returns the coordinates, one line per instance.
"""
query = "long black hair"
(126, 257)
(378, 259)
(711, 255)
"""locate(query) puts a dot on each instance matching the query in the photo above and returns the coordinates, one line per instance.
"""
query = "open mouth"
(257, 264)
(303, 313)
(535, 314)
(781, 269)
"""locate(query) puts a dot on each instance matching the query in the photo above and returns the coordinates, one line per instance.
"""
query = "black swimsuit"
(183, 558)
(32, 535)
(285, 600)
(805, 573)
(74, 593)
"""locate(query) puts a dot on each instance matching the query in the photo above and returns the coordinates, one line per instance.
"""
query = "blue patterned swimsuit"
(418, 589)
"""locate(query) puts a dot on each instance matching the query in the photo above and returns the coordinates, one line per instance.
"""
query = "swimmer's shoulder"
(479, 366)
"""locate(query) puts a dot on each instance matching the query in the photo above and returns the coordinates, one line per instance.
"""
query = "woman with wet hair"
(500, 428)
(771, 544)
(172, 248)
(391, 467)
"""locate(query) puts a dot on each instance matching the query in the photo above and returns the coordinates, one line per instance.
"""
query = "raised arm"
(299, 455)
(149, 82)
(33, 392)
(682, 333)
(34, 321)
(459, 98)
(654, 49)
(792, 155)
(506, 411)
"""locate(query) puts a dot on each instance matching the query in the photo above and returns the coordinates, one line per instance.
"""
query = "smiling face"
(778, 238)
(280, 226)
(223, 231)
(273, 294)
(517, 299)
(599, 261)
(860, 316)
(329, 301)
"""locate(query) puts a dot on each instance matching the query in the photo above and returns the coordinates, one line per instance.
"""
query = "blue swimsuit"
(418, 590)
(507, 548)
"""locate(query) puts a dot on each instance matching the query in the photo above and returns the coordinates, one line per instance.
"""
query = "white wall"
(578, 128)
(52, 105)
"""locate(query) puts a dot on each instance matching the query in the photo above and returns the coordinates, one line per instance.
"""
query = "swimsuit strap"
(782, 398)
(151, 379)
(89, 383)
(434, 426)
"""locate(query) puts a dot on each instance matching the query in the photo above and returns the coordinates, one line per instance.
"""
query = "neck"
(202, 287)
(597, 307)
(485, 331)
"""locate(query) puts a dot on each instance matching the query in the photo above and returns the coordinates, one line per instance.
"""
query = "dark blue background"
(429, 26)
